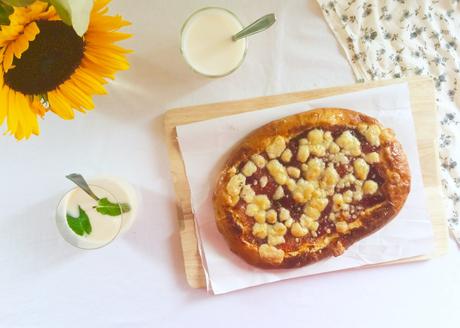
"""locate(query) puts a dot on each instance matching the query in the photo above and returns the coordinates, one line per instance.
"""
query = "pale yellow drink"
(104, 228)
(207, 43)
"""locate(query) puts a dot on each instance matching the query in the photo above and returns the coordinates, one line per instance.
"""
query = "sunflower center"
(49, 61)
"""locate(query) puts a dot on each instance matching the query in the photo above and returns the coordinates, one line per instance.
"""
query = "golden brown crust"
(234, 224)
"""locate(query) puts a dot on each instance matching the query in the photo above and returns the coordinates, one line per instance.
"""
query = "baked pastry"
(306, 187)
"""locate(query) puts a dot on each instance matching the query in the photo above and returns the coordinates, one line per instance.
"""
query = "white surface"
(409, 234)
(138, 281)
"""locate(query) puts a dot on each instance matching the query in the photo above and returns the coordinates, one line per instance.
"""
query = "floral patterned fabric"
(403, 38)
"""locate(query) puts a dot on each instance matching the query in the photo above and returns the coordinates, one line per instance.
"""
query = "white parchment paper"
(204, 146)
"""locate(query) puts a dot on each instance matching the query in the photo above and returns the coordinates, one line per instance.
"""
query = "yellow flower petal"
(87, 83)
(9, 33)
(13, 115)
(93, 67)
(29, 123)
(18, 133)
(20, 45)
(99, 5)
(101, 60)
(3, 103)
(79, 98)
(2, 51)
(37, 106)
(36, 8)
(8, 59)
(31, 31)
(24, 123)
(111, 63)
(21, 121)
(50, 14)
(59, 106)
(103, 36)
(107, 23)
(107, 48)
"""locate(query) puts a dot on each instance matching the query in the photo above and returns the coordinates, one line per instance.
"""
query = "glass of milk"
(104, 228)
(207, 45)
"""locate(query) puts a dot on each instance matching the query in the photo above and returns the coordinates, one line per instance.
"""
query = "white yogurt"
(105, 228)
(207, 43)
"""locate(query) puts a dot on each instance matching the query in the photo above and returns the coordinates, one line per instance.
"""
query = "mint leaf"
(106, 207)
(81, 224)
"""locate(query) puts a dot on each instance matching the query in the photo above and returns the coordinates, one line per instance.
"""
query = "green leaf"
(81, 224)
(106, 207)
(18, 3)
(75, 13)
(5, 12)
(62, 9)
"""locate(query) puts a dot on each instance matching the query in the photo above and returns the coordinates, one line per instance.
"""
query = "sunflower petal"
(8, 59)
(10, 33)
(31, 31)
(92, 85)
(79, 98)
(59, 106)
(20, 46)
(13, 115)
(2, 51)
(18, 133)
(97, 77)
(37, 106)
(112, 63)
(93, 67)
(48, 15)
(35, 127)
(104, 36)
(107, 23)
(102, 59)
(99, 5)
(3, 103)
(109, 48)
(30, 118)
(25, 120)
(36, 8)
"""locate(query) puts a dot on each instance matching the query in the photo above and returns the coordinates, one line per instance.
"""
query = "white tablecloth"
(138, 281)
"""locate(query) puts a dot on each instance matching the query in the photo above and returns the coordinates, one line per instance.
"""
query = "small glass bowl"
(78, 241)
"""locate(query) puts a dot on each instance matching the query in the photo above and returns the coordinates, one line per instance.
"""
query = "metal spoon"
(258, 26)
(81, 182)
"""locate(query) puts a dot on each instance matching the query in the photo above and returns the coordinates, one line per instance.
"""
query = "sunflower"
(45, 66)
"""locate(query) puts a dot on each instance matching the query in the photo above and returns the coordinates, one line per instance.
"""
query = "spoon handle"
(81, 182)
(258, 26)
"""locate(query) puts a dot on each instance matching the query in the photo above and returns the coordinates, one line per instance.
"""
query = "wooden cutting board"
(423, 105)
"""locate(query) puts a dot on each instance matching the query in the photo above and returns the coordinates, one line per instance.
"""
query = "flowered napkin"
(404, 38)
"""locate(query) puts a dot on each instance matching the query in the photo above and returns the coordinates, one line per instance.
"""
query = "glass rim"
(74, 245)
(182, 37)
